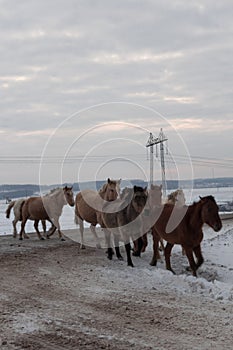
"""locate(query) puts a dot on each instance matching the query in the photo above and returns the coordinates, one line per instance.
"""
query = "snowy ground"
(56, 296)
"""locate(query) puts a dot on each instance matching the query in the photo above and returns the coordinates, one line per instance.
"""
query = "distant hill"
(27, 190)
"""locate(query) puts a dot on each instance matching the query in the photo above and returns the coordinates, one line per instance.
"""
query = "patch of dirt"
(53, 297)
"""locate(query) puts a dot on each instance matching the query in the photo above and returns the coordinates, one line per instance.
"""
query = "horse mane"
(206, 198)
(172, 196)
(103, 188)
(53, 192)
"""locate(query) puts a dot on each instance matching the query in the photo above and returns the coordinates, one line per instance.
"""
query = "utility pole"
(150, 143)
(162, 138)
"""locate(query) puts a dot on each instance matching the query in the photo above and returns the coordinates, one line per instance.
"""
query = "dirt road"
(55, 296)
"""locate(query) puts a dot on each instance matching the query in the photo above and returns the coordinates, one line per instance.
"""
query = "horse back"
(173, 224)
(33, 209)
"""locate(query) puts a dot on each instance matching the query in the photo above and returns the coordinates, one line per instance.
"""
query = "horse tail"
(8, 211)
(20, 211)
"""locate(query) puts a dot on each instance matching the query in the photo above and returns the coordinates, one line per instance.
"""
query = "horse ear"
(200, 197)
(65, 188)
(109, 181)
(119, 181)
(160, 186)
(145, 189)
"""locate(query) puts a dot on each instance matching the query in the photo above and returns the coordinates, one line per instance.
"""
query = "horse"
(89, 202)
(123, 219)
(177, 197)
(48, 207)
(154, 199)
(16, 205)
(187, 231)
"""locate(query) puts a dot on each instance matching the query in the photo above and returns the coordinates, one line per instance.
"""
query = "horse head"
(139, 199)
(111, 190)
(69, 195)
(210, 213)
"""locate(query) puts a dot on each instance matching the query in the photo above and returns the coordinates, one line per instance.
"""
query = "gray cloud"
(58, 57)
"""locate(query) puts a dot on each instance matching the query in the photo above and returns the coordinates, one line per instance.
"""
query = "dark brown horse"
(48, 207)
(183, 225)
(148, 218)
(122, 218)
(88, 203)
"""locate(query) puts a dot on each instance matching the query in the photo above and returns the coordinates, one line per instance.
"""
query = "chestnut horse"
(16, 206)
(89, 202)
(123, 219)
(48, 207)
(183, 225)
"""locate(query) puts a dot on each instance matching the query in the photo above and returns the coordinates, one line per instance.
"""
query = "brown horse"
(16, 206)
(123, 219)
(48, 207)
(88, 203)
(183, 225)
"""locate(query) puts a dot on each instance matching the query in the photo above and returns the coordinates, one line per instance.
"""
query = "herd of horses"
(127, 216)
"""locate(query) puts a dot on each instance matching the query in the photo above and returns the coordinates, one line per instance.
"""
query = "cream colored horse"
(48, 207)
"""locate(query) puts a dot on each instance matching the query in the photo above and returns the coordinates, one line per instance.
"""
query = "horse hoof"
(20, 238)
(120, 257)
(131, 264)
(110, 257)
(136, 254)
(47, 236)
(42, 238)
(62, 239)
(82, 246)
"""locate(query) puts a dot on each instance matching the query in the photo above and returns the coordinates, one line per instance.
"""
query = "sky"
(83, 83)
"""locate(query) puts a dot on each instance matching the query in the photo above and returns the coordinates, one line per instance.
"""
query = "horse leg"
(139, 245)
(107, 234)
(155, 249)
(44, 225)
(51, 230)
(36, 222)
(161, 245)
(167, 253)
(189, 254)
(22, 228)
(198, 254)
(128, 253)
(81, 230)
(14, 222)
(117, 248)
(98, 245)
(56, 223)
(145, 242)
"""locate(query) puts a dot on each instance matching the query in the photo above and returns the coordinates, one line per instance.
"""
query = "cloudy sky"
(83, 83)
